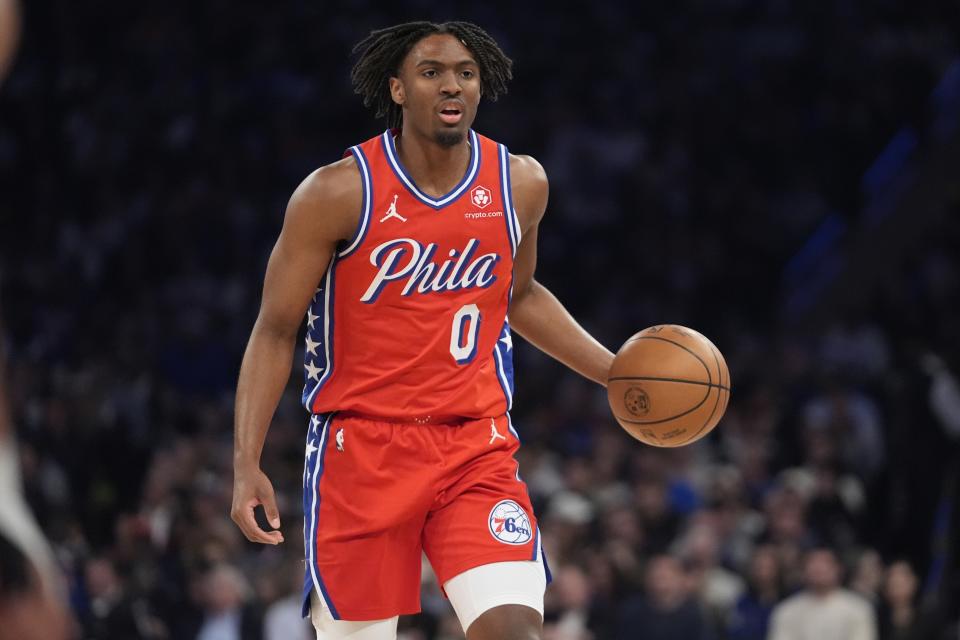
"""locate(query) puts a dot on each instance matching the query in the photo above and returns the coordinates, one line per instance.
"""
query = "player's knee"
(507, 622)
(328, 628)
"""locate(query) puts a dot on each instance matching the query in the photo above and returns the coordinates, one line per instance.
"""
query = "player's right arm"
(323, 210)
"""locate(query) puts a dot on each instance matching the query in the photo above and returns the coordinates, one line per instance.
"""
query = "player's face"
(439, 89)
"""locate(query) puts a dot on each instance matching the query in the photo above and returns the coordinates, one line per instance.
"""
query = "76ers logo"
(509, 523)
(480, 196)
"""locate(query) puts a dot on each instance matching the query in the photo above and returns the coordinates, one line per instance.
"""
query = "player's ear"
(396, 90)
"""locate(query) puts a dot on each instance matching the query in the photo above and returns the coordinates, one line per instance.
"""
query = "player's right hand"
(252, 487)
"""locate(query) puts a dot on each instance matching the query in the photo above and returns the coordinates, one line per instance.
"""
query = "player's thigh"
(330, 629)
(484, 514)
(501, 600)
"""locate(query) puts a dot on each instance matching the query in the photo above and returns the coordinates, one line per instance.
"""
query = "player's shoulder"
(530, 189)
(331, 196)
(527, 169)
(331, 182)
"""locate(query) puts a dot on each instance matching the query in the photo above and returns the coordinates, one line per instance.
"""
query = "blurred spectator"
(750, 618)
(823, 610)
(901, 615)
(622, 536)
(661, 523)
(835, 500)
(867, 576)
(667, 610)
(282, 620)
(856, 349)
(567, 606)
(111, 613)
(787, 531)
(850, 419)
(228, 612)
(944, 393)
(716, 587)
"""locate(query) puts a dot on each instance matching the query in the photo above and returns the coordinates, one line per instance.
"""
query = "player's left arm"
(535, 313)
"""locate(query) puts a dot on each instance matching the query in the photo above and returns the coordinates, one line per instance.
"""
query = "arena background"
(781, 175)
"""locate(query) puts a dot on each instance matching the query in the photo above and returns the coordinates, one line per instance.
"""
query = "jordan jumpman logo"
(493, 432)
(392, 211)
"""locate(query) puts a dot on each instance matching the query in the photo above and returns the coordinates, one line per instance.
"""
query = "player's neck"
(435, 168)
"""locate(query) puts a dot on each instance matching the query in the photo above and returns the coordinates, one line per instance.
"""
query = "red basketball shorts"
(378, 494)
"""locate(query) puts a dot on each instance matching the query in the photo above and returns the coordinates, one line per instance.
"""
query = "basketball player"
(406, 256)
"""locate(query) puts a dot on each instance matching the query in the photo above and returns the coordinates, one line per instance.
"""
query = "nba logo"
(509, 524)
(480, 196)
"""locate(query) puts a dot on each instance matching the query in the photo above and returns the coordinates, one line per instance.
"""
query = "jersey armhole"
(506, 193)
(367, 188)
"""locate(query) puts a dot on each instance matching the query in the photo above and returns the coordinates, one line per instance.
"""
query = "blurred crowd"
(146, 155)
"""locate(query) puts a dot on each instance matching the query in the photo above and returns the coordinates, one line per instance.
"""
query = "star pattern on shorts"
(313, 445)
(313, 371)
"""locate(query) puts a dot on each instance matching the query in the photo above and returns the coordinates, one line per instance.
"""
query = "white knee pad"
(330, 629)
(491, 585)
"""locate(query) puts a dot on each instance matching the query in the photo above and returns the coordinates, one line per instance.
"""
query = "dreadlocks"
(384, 50)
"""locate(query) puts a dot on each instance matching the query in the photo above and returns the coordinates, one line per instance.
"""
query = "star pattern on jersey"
(313, 371)
(311, 318)
(507, 340)
(311, 447)
(311, 345)
(314, 424)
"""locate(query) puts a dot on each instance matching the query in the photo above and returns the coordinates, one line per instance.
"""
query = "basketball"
(668, 386)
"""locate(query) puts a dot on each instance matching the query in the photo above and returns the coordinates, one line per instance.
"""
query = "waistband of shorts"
(414, 420)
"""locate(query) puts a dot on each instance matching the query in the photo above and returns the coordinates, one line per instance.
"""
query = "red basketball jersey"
(410, 320)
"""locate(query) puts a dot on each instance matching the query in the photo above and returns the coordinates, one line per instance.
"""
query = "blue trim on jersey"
(365, 207)
(328, 299)
(437, 203)
(536, 544)
(311, 522)
(507, 196)
(326, 316)
(514, 432)
(504, 368)
(513, 212)
(507, 185)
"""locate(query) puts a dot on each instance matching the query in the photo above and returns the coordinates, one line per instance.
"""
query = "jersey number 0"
(463, 333)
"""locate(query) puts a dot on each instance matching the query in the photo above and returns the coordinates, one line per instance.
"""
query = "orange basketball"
(668, 386)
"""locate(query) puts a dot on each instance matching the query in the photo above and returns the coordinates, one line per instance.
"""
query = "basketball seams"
(659, 379)
(716, 404)
(726, 399)
(679, 415)
(677, 344)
